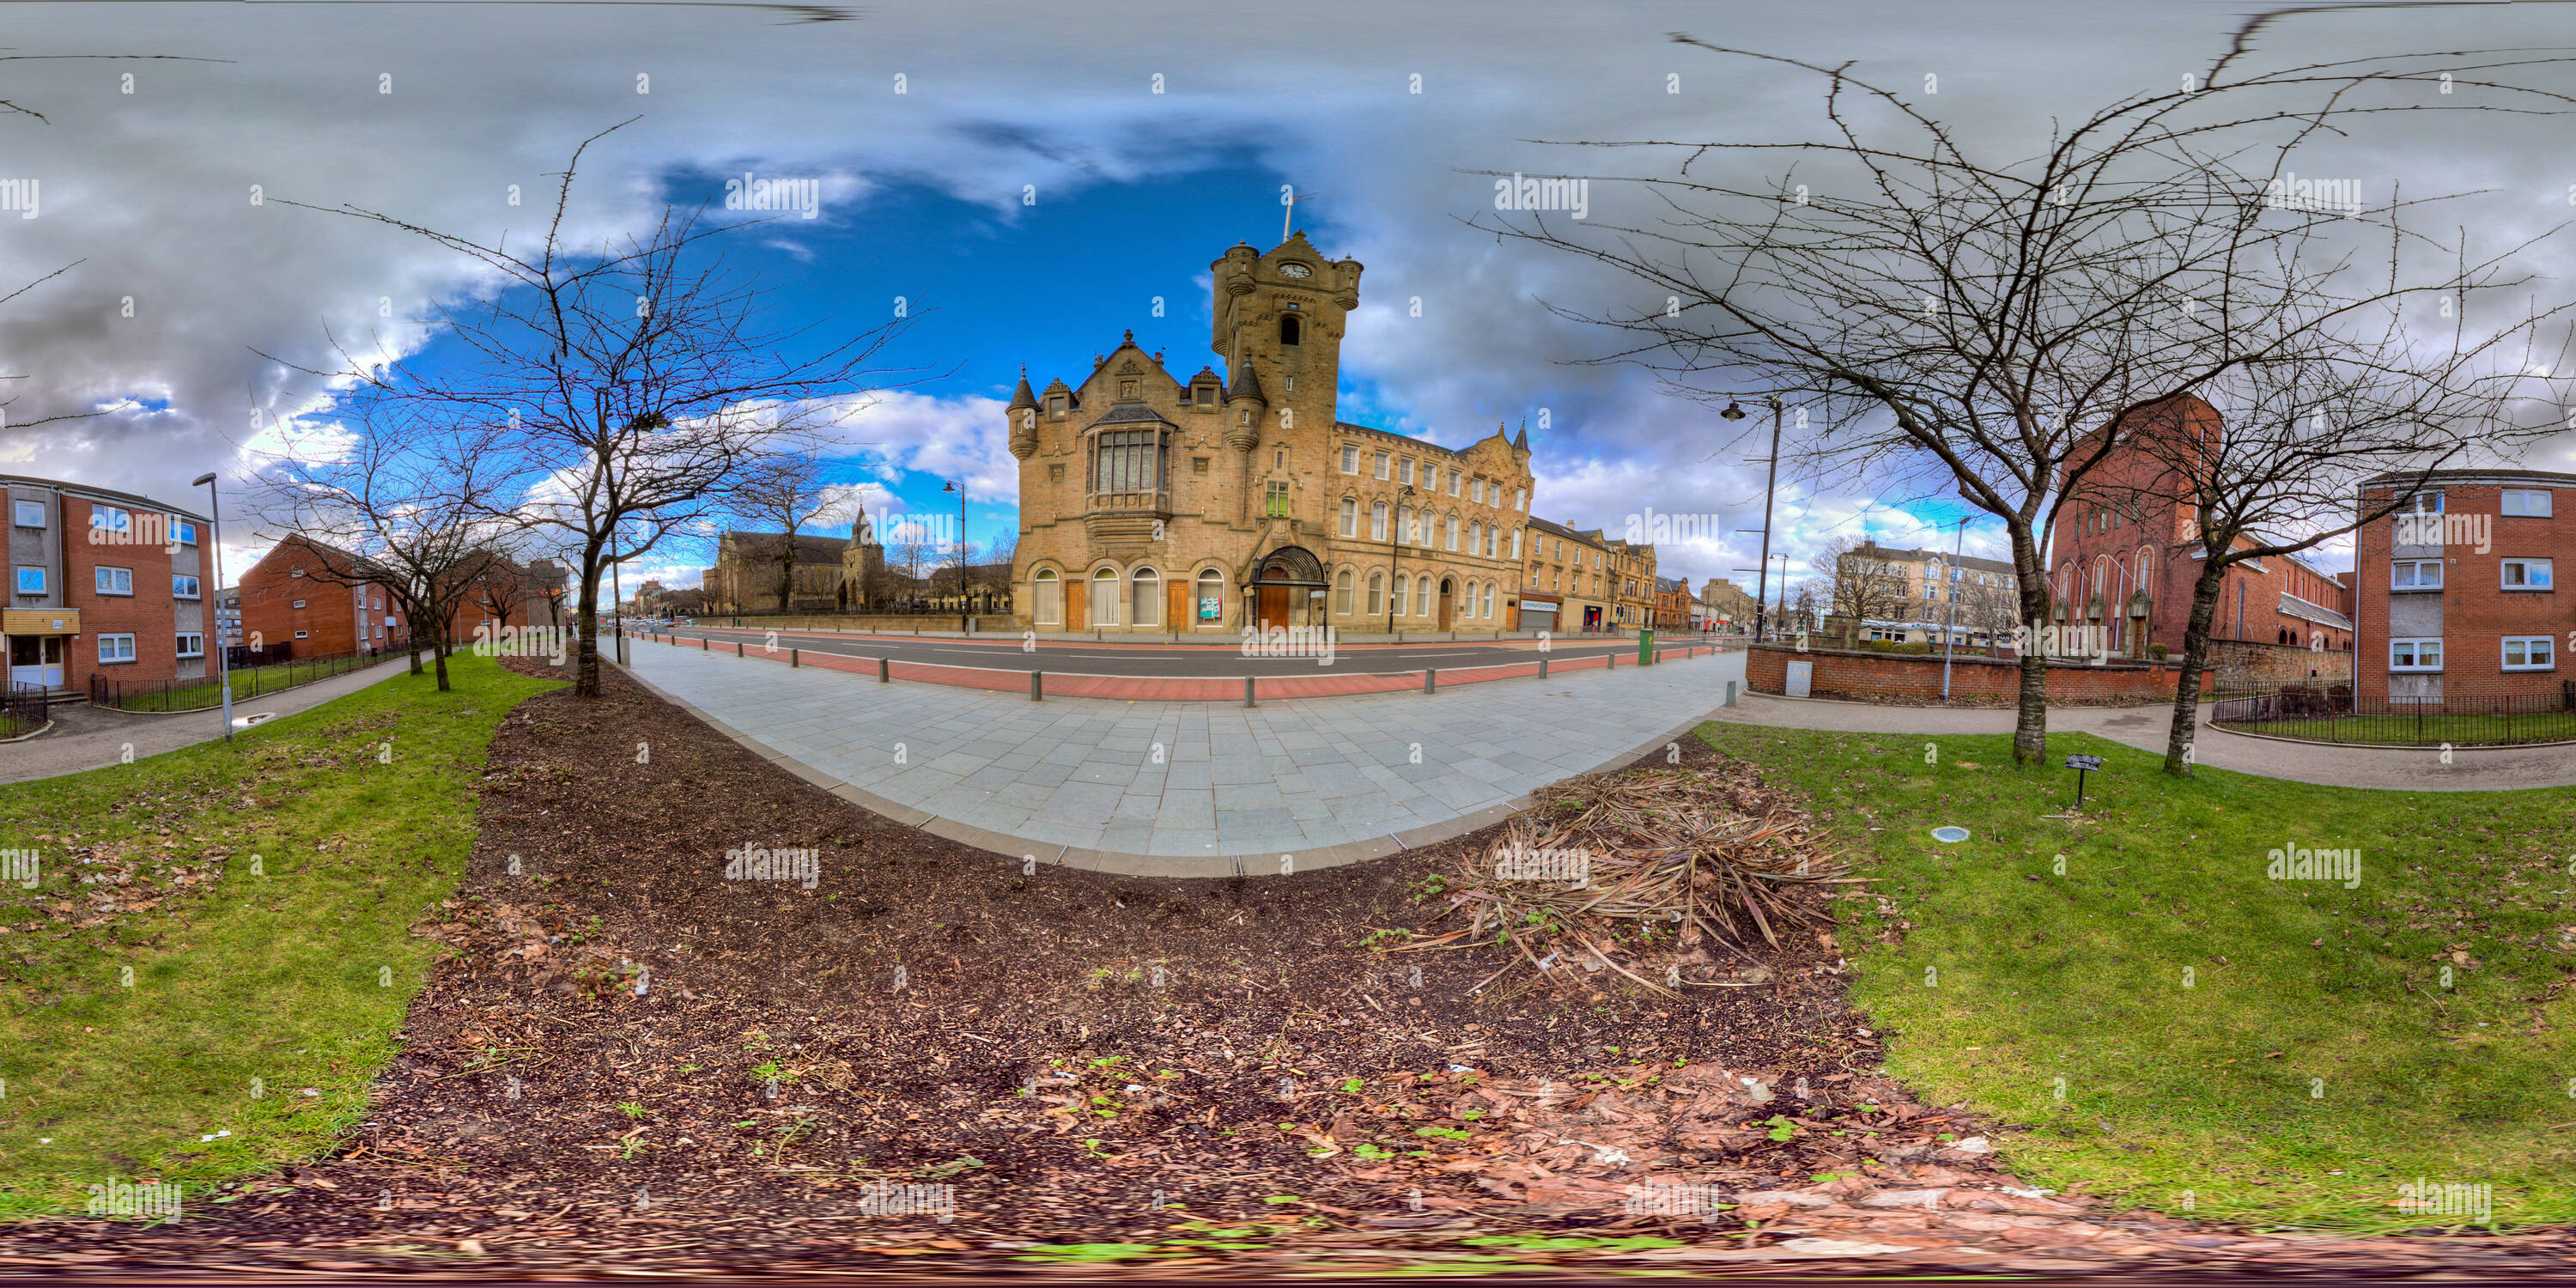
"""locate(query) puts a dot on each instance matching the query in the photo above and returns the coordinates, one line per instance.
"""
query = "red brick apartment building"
(301, 600)
(2459, 591)
(2126, 555)
(101, 583)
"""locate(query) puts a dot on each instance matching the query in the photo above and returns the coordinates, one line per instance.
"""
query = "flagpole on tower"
(1288, 199)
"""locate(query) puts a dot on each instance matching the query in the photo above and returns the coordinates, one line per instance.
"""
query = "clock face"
(1294, 270)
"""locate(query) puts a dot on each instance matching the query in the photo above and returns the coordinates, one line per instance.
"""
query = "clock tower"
(1279, 320)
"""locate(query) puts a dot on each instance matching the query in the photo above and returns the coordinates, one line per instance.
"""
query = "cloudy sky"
(1031, 180)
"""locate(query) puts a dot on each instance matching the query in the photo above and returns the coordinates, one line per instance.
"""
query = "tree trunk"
(439, 651)
(585, 683)
(2195, 647)
(2030, 726)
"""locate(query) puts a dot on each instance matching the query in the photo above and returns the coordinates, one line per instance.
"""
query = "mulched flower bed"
(632, 1064)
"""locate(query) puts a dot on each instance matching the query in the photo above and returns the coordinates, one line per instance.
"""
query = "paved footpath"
(2391, 768)
(1190, 788)
(108, 731)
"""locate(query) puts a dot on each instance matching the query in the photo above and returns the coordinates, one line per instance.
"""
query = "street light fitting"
(1734, 410)
(202, 480)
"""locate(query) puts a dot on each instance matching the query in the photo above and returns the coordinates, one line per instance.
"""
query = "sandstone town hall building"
(1152, 503)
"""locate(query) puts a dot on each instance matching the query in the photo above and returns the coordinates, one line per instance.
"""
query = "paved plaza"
(1190, 788)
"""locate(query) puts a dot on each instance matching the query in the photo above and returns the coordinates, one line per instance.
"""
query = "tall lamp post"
(965, 618)
(214, 542)
(1735, 411)
(1950, 632)
(1402, 491)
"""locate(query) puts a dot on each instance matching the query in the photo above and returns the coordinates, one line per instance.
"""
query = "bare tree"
(628, 383)
(1861, 583)
(787, 492)
(1965, 321)
(909, 546)
(394, 501)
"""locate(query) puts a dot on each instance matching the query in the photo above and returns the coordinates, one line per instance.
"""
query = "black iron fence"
(22, 709)
(2335, 714)
(248, 682)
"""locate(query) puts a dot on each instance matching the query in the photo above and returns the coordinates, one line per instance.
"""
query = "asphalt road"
(1140, 659)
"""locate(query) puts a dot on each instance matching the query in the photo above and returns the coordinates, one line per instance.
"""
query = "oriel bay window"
(1128, 469)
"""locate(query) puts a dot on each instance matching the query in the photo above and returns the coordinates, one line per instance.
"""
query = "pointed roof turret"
(1246, 385)
(1021, 397)
(1520, 442)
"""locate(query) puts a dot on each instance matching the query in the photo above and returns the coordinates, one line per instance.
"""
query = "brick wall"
(147, 614)
(2471, 612)
(2242, 666)
(1974, 681)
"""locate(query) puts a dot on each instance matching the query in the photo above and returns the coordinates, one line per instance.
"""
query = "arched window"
(1049, 593)
(1104, 597)
(1475, 537)
(1342, 592)
(1489, 599)
(1453, 532)
(1211, 605)
(1377, 521)
(1403, 524)
(1145, 598)
(1377, 593)
(1516, 544)
(1422, 597)
(1350, 516)
(1288, 329)
(1403, 588)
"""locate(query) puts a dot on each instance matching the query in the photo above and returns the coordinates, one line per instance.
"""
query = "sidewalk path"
(102, 743)
(1189, 789)
(2418, 769)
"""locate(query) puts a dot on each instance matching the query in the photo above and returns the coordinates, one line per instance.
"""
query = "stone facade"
(1153, 503)
(1732, 604)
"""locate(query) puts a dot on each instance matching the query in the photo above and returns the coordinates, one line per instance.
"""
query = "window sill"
(2526, 590)
(2414, 590)
(2529, 670)
(2414, 670)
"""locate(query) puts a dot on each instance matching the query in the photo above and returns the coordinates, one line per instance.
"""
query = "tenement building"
(101, 583)
(2458, 591)
(1151, 502)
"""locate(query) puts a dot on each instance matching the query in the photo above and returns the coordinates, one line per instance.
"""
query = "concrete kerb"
(1153, 865)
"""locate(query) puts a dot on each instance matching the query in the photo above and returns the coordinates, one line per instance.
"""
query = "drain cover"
(1949, 835)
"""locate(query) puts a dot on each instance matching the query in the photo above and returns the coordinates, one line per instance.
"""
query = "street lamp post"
(1735, 411)
(965, 623)
(214, 542)
(1950, 633)
(1402, 491)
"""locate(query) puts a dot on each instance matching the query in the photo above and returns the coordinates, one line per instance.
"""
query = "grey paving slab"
(1329, 779)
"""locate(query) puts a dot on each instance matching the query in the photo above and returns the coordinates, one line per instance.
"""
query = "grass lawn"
(250, 682)
(2327, 1043)
(2422, 731)
(262, 936)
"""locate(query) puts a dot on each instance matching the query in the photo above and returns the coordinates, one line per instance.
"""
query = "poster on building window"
(1207, 608)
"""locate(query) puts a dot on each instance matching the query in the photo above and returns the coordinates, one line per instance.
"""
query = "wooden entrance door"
(1445, 586)
(1271, 605)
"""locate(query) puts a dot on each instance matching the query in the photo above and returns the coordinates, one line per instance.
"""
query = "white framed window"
(1453, 532)
(1455, 483)
(1422, 596)
(1475, 538)
(2415, 574)
(2526, 574)
(110, 518)
(115, 648)
(1350, 516)
(183, 587)
(1516, 543)
(1211, 605)
(2415, 655)
(185, 531)
(1520, 499)
(1403, 594)
(1377, 521)
(1404, 472)
(1350, 459)
(1494, 543)
(31, 581)
(1476, 490)
(1403, 524)
(1342, 592)
(29, 514)
(1377, 593)
(192, 645)
(2530, 653)
(1145, 599)
(114, 581)
(2524, 504)
(1489, 599)
(1104, 597)
(1382, 460)
(1048, 590)
(2422, 503)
